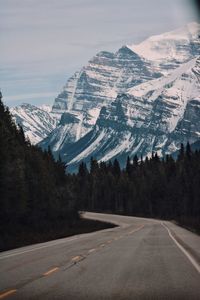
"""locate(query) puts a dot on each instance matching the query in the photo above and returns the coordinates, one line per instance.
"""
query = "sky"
(43, 42)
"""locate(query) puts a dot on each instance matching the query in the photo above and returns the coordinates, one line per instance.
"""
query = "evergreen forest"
(155, 188)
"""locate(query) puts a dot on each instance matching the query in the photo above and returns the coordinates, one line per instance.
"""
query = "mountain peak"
(174, 45)
(126, 51)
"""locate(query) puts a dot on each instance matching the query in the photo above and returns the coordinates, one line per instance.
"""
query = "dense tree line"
(156, 188)
(34, 188)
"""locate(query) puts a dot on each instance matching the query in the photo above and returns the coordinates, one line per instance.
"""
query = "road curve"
(139, 259)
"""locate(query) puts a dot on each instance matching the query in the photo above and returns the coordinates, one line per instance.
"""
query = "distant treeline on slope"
(156, 188)
(34, 189)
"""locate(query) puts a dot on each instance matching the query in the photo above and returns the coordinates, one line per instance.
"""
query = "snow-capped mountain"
(142, 98)
(37, 122)
(168, 50)
(154, 116)
(150, 84)
(95, 86)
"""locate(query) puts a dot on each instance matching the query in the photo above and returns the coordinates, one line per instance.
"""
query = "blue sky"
(43, 42)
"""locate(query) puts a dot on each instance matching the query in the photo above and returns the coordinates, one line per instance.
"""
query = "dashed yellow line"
(8, 293)
(91, 250)
(136, 229)
(76, 258)
(51, 271)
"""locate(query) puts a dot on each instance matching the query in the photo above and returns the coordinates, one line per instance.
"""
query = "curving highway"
(139, 259)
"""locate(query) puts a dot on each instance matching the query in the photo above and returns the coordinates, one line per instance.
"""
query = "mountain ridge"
(37, 122)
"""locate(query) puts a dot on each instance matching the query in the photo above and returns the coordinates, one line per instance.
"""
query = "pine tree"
(128, 166)
(82, 171)
(116, 168)
(93, 166)
(181, 154)
(135, 161)
(188, 151)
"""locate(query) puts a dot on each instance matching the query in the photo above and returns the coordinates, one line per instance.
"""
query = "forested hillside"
(156, 188)
(35, 193)
(30, 179)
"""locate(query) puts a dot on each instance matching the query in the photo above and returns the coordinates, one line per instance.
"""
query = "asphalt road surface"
(140, 259)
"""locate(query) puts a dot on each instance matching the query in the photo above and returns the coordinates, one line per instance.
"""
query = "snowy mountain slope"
(111, 134)
(96, 85)
(175, 98)
(153, 116)
(171, 48)
(36, 122)
(46, 107)
(174, 91)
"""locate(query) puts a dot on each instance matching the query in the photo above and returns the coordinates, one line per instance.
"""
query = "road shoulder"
(187, 239)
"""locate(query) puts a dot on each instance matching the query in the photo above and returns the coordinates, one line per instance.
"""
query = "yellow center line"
(50, 271)
(136, 229)
(76, 258)
(91, 250)
(5, 294)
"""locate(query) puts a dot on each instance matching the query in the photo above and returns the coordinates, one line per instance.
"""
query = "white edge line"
(187, 254)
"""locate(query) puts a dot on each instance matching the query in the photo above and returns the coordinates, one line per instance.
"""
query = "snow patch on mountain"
(93, 114)
(89, 149)
(123, 146)
(46, 107)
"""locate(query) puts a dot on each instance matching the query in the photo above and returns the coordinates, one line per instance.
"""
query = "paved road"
(140, 259)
